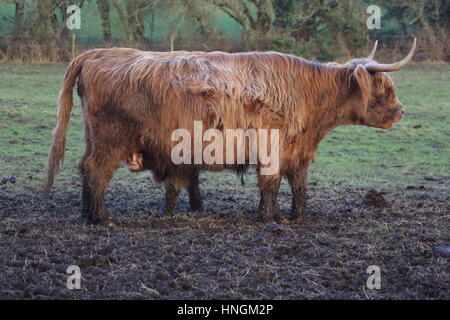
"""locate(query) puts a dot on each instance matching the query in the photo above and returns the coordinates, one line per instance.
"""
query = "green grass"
(350, 156)
(27, 109)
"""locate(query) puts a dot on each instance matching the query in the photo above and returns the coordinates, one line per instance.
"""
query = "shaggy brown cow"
(133, 101)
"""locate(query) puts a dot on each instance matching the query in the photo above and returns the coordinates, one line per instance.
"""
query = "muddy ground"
(225, 253)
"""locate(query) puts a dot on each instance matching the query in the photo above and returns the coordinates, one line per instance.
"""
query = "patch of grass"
(28, 95)
(384, 227)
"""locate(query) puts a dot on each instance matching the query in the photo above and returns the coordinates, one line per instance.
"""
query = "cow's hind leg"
(97, 169)
(82, 165)
(87, 152)
(195, 198)
(269, 208)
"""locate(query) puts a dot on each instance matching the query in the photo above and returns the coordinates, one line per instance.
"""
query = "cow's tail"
(65, 101)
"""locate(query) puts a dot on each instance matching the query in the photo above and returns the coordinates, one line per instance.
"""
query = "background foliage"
(316, 29)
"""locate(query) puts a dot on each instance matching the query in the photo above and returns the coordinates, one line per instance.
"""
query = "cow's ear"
(364, 81)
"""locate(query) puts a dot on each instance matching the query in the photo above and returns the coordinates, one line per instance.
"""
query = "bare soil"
(224, 253)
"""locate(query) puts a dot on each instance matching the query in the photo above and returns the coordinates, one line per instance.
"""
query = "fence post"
(74, 45)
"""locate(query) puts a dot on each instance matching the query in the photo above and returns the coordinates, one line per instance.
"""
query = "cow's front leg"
(298, 180)
(269, 209)
(195, 199)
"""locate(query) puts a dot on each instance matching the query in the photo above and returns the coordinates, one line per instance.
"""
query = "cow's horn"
(372, 53)
(378, 67)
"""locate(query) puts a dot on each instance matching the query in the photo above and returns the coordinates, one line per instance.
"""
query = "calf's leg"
(173, 186)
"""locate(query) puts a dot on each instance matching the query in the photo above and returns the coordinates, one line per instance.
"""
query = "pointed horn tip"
(372, 52)
(413, 47)
(376, 67)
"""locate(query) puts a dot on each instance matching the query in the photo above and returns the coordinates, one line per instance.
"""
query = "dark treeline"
(316, 29)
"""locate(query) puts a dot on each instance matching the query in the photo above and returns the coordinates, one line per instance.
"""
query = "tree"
(132, 14)
(254, 16)
(18, 20)
(104, 10)
(200, 12)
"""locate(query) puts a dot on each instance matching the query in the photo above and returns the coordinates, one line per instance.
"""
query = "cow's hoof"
(106, 223)
(265, 218)
(193, 211)
(268, 217)
(86, 221)
(280, 219)
(196, 209)
(297, 217)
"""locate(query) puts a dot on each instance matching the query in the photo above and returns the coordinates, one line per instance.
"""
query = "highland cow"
(133, 100)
